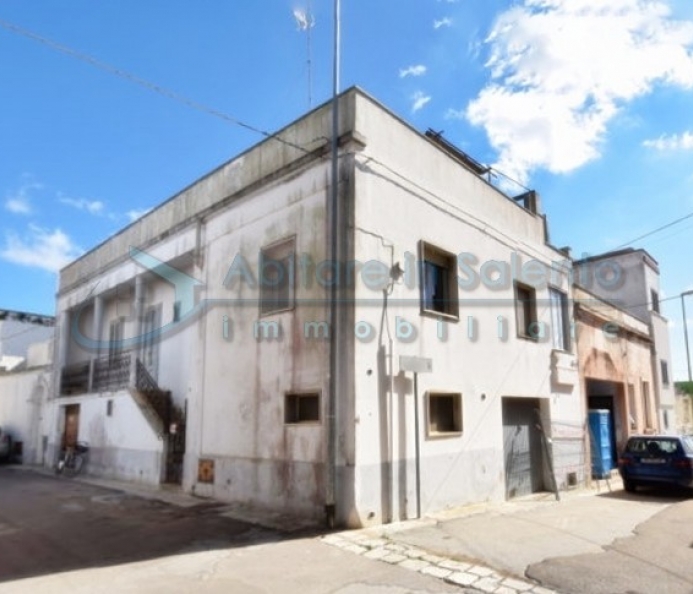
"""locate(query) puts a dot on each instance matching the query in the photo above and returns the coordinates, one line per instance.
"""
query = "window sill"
(274, 312)
(534, 339)
(431, 313)
(443, 434)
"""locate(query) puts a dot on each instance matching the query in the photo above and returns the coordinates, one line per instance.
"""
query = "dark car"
(657, 460)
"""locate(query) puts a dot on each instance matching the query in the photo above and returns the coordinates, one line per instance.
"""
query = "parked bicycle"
(72, 459)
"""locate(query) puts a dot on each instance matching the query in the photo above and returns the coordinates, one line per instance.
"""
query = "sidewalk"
(490, 547)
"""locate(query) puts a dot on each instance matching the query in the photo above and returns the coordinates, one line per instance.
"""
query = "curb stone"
(451, 571)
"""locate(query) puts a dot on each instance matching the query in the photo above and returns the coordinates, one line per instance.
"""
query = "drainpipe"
(139, 306)
(96, 333)
(335, 243)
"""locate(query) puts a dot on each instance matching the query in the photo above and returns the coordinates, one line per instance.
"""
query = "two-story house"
(420, 358)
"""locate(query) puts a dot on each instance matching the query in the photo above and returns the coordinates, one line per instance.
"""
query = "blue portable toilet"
(599, 422)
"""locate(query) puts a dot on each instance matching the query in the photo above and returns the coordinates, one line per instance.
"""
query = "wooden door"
(71, 432)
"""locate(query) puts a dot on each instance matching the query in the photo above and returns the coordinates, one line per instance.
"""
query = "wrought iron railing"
(111, 372)
(74, 379)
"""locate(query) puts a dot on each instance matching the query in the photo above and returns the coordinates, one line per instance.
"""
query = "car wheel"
(629, 485)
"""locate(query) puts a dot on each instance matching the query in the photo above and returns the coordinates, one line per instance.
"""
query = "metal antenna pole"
(331, 494)
(311, 22)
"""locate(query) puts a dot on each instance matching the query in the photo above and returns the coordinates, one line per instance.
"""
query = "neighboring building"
(26, 341)
(19, 330)
(211, 356)
(629, 279)
(615, 362)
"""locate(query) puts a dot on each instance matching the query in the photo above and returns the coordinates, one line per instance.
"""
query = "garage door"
(522, 447)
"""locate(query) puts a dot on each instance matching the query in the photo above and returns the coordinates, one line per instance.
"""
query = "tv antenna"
(306, 21)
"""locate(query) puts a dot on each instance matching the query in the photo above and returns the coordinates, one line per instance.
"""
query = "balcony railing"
(75, 379)
(111, 373)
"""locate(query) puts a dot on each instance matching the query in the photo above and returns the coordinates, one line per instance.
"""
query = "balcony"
(109, 373)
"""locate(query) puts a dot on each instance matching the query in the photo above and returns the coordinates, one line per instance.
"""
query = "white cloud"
(444, 22)
(417, 70)
(136, 213)
(40, 248)
(95, 207)
(19, 202)
(18, 205)
(562, 69)
(419, 99)
(675, 142)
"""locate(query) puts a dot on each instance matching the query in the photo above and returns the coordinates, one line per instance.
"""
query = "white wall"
(457, 212)
(22, 399)
(122, 446)
(236, 411)
(16, 336)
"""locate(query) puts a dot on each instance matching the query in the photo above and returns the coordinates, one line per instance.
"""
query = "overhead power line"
(662, 228)
(144, 83)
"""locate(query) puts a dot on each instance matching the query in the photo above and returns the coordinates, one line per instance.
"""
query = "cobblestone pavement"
(469, 575)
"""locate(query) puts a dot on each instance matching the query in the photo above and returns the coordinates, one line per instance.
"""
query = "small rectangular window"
(438, 281)
(109, 408)
(654, 297)
(444, 413)
(276, 276)
(665, 372)
(526, 311)
(302, 408)
(560, 320)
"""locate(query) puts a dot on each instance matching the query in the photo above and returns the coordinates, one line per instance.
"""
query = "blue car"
(657, 460)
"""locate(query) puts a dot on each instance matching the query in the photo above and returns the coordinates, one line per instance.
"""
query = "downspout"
(335, 243)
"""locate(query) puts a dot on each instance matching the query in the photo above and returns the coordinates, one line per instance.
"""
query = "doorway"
(602, 395)
(71, 430)
(522, 447)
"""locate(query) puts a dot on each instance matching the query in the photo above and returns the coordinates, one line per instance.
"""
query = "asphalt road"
(63, 536)
(54, 524)
(657, 559)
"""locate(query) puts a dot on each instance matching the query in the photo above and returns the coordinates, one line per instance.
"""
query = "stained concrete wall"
(397, 189)
(407, 190)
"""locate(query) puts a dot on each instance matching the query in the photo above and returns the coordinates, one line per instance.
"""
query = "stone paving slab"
(451, 571)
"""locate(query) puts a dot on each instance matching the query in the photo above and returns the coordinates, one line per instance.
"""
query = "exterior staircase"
(156, 404)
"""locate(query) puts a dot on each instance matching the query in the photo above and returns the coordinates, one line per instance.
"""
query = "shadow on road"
(50, 525)
(654, 494)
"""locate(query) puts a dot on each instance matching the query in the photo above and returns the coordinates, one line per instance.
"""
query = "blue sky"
(590, 103)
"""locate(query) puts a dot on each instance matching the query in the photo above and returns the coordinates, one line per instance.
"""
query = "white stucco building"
(205, 345)
(26, 352)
